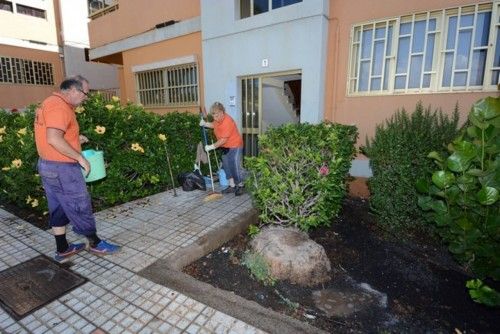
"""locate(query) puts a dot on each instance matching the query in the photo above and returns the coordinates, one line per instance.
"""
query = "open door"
(268, 100)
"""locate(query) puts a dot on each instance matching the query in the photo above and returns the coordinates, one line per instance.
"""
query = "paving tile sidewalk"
(115, 299)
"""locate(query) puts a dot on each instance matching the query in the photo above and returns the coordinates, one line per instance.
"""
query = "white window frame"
(178, 94)
(437, 71)
(358, 45)
(269, 7)
(412, 19)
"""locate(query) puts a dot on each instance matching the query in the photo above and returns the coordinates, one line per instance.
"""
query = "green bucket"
(97, 168)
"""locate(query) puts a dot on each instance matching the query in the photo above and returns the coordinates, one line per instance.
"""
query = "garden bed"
(376, 284)
(31, 216)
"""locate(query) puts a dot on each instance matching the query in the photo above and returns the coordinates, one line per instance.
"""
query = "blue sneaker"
(104, 248)
(72, 250)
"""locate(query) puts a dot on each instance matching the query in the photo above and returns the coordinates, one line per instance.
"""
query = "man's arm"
(55, 138)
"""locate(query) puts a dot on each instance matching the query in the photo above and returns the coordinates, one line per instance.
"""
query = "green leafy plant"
(299, 177)
(253, 230)
(19, 182)
(398, 157)
(462, 196)
(259, 269)
(134, 152)
(483, 294)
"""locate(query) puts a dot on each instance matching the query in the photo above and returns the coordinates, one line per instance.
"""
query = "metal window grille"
(98, 8)
(25, 71)
(466, 47)
(444, 50)
(171, 86)
(6, 5)
(31, 11)
(416, 44)
(372, 53)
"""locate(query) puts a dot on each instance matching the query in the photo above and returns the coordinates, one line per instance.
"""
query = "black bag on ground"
(191, 181)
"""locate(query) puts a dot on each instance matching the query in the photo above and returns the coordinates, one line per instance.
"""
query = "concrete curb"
(167, 272)
(212, 240)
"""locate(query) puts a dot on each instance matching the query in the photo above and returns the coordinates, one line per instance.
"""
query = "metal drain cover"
(34, 283)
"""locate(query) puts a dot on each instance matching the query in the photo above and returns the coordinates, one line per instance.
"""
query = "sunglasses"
(86, 94)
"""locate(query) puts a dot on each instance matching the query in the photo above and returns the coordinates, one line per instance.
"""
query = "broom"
(212, 195)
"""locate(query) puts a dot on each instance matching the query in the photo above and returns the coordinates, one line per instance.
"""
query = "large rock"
(292, 256)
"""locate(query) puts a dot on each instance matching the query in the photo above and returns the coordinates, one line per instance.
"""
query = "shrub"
(298, 179)
(19, 182)
(398, 158)
(463, 195)
(134, 152)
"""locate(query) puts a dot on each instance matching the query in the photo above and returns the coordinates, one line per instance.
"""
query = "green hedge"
(135, 157)
(398, 158)
(299, 177)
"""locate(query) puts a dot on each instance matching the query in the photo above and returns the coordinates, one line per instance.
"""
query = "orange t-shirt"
(227, 129)
(56, 112)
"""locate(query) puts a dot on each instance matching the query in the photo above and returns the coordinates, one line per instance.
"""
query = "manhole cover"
(34, 283)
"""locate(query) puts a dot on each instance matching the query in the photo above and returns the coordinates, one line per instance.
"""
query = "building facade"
(279, 61)
(157, 48)
(41, 42)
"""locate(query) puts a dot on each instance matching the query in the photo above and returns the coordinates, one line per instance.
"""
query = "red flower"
(324, 170)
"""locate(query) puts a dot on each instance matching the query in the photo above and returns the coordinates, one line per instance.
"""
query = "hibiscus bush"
(19, 182)
(134, 143)
(299, 177)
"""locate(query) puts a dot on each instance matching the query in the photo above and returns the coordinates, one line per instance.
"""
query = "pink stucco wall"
(367, 111)
(132, 18)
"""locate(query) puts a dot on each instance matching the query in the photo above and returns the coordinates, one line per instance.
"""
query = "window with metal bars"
(31, 11)
(25, 71)
(453, 49)
(6, 5)
(170, 86)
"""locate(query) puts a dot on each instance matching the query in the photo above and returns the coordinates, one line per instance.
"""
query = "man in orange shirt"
(58, 140)
(229, 139)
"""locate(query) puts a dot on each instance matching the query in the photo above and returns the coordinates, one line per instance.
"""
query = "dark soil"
(423, 287)
(28, 215)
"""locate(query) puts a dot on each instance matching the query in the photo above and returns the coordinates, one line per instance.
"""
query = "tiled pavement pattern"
(115, 299)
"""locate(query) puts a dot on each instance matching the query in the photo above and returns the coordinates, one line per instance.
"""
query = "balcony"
(98, 8)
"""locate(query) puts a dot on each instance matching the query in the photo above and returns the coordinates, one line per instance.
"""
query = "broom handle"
(211, 175)
(204, 132)
(204, 115)
(216, 158)
(170, 170)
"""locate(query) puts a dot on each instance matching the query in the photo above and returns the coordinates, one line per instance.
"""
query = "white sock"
(231, 183)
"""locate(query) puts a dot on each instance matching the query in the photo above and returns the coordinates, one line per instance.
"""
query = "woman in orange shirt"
(231, 143)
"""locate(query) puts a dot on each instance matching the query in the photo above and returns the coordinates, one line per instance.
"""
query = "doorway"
(268, 101)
